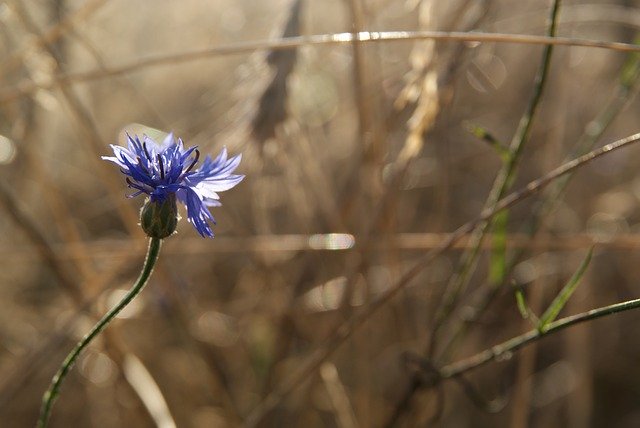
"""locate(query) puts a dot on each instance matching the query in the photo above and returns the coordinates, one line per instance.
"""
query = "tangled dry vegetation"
(315, 304)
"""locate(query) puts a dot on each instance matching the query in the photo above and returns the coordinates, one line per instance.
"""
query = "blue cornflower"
(166, 172)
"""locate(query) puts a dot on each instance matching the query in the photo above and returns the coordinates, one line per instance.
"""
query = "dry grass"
(359, 163)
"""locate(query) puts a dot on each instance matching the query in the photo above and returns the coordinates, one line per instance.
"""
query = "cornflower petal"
(167, 168)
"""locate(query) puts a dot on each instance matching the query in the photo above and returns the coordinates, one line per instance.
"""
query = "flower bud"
(159, 219)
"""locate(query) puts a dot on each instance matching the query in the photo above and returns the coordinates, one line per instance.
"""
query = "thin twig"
(27, 86)
(31, 361)
(502, 183)
(345, 416)
(51, 35)
(626, 89)
(360, 79)
(86, 125)
(512, 345)
(344, 331)
(17, 212)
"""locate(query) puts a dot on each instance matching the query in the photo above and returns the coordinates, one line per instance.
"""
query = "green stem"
(511, 345)
(627, 87)
(504, 180)
(51, 394)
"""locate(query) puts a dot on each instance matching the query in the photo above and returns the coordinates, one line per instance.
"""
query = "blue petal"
(162, 169)
(197, 212)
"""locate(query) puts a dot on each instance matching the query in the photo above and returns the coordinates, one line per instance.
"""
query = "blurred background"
(359, 158)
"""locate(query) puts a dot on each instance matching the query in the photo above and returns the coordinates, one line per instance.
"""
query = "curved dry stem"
(28, 86)
(343, 332)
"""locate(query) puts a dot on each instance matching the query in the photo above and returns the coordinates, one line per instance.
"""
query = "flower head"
(167, 172)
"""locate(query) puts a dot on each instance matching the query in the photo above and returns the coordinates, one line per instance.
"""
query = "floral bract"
(160, 170)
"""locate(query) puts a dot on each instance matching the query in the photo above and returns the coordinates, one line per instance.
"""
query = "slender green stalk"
(628, 86)
(346, 329)
(511, 345)
(565, 294)
(51, 394)
(504, 180)
(502, 183)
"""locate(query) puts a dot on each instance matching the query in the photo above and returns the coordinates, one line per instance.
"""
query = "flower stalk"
(166, 173)
(51, 394)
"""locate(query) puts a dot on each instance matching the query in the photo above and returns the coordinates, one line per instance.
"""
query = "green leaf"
(631, 68)
(484, 135)
(498, 261)
(523, 307)
(561, 299)
(522, 304)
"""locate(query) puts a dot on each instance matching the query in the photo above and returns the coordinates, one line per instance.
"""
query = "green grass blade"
(498, 261)
(521, 302)
(631, 68)
(561, 299)
(484, 135)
